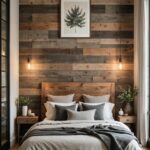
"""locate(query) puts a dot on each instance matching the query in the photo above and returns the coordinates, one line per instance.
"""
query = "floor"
(16, 148)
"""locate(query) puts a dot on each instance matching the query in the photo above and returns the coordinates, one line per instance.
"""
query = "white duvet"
(70, 142)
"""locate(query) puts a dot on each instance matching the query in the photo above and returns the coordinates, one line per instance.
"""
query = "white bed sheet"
(70, 142)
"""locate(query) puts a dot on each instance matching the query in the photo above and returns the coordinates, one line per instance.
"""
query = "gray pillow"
(81, 115)
(96, 99)
(61, 111)
(61, 99)
(99, 110)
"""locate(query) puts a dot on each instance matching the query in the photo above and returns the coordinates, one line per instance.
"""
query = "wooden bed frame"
(64, 88)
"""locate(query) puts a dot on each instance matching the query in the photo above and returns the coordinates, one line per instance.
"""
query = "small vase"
(24, 110)
(128, 109)
(121, 113)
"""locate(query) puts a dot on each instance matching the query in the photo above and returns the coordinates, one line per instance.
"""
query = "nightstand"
(23, 124)
(130, 121)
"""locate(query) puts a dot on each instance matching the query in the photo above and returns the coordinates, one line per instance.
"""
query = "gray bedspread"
(114, 138)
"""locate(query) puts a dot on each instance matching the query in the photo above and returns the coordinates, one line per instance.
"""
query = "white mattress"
(70, 142)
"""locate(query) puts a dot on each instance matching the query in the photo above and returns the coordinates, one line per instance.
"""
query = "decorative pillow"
(61, 111)
(81, 115)
(96, 99)
(50, 109)
(99, 110)
(61, 99)
(107, 112)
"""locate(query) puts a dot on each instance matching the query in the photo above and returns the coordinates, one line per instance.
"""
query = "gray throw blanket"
(114, 138)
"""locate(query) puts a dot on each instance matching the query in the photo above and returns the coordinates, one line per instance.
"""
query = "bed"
(77, 134)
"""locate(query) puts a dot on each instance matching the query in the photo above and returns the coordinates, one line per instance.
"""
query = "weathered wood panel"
(75, 60)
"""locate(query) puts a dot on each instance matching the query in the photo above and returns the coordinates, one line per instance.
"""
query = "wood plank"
(47, 73)
(119, 9)
(111, 9)
(75, 59)
(114, 2)
(101, 67)
(108, 52)
(45, 17)
(95, 45)
(51, 51)
(25, 17)
(54, 26)
(112, 26)
(29, 91)
(106, 41)
(38, 2)
(33, 35)
(112, 18)
(39, 9)
(52, 66)
(112, 34)
(53, 43)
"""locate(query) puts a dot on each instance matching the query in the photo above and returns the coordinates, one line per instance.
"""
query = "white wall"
(14, 64)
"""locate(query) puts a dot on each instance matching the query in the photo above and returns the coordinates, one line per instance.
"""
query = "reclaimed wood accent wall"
(93, 59)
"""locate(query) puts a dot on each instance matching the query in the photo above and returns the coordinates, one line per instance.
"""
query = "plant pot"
(128, 109)
(24, 110)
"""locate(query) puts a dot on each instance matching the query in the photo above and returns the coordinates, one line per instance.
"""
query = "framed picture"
(75, 18)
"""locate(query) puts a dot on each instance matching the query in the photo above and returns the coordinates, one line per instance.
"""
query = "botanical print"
(75, 18)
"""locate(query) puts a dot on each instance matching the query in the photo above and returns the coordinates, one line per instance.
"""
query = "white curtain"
(141, 78)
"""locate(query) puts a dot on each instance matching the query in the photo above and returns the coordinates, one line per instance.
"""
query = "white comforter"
(70, 142)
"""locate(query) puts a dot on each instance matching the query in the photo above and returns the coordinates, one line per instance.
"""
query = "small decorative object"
(121, 113)
(75, 18)
(24, 102)
(32, 114)
(127, 96)
(29, 112)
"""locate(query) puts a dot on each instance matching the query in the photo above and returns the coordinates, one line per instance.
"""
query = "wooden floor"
(16, 148)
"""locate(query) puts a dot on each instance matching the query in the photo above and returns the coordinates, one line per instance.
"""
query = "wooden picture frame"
(75, 18)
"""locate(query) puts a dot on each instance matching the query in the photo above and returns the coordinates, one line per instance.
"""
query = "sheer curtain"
(141, 51)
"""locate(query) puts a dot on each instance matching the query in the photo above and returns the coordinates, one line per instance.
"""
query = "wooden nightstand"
(130, 121)
(23, 124)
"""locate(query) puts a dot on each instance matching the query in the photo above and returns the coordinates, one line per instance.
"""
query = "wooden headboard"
(63, 88)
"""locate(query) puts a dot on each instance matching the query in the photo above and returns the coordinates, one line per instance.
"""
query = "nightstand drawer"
(27, 120)
(127, 119)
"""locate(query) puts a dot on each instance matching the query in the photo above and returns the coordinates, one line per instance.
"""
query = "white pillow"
(81, 115)
(50, 109)
(96, 99)
(61, 99)
(107, 114)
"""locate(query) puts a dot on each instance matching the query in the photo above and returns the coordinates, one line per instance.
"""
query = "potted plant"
(24, 103)
(127, 96)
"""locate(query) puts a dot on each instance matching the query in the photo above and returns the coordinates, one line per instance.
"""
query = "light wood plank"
(29, 91)
(112, 26)
(101, 66)
(114, 2)
(107, 51)
(105, 41)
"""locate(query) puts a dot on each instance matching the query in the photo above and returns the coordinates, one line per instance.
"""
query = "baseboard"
(12, 142)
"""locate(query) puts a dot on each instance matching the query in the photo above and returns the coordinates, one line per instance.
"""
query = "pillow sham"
(61, 99)
(99, 110)
(51, 111)
(107, 111)
(95, 99)
(81, 115)
(61, 111)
